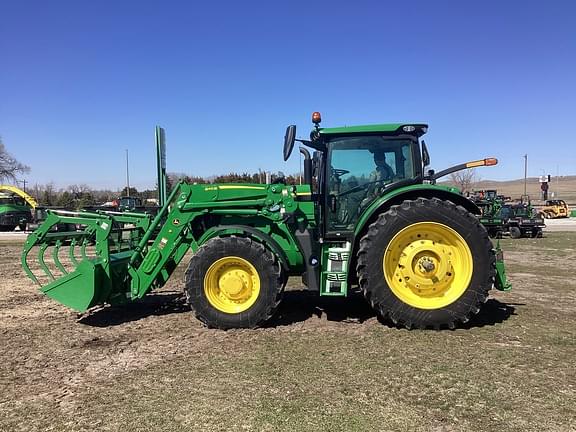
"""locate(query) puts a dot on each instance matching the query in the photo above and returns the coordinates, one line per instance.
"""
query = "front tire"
(426, 263)
(515, 232)
(234, 282)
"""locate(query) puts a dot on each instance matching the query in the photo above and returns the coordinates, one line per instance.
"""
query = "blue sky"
(80, 82)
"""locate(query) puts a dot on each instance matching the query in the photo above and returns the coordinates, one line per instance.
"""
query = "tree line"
(78, 196)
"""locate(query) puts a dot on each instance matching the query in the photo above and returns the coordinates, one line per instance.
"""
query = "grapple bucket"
(81, 289)
(82, 257)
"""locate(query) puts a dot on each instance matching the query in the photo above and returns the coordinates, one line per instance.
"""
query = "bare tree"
(465, 180)
(9, 166)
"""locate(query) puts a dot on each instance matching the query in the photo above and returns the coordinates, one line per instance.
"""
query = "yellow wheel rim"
(232, 284)
(428, 265)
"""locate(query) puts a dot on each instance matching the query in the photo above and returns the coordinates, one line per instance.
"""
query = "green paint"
(12, 213)
(135, 253)
(375, 128)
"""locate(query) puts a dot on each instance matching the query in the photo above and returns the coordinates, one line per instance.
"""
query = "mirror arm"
(315, 145)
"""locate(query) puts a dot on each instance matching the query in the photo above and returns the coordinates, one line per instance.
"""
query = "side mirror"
(289, 139)
(425, 155)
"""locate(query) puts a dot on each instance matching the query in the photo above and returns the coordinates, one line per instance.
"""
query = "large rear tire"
(234, 282)
(426, 264)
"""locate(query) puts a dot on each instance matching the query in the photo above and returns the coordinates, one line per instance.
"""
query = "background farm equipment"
(490, 204)
(125, 204)
(39, 215)
(413, 248)
(15, 208)
(520, 220)
(504, 218)
(554, 209)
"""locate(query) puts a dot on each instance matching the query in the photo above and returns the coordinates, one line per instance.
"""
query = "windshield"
(7, 200)
(359, 168)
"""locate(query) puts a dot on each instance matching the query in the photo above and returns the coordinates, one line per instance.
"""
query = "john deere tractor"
(367, 217)
(490, 205)
(16, 208)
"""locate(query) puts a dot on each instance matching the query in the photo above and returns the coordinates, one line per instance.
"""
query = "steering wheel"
(360, 187)
(339, 172)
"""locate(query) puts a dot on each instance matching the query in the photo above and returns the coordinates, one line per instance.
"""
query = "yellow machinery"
(555, 209)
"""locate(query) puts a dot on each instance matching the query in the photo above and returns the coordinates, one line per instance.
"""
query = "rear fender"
(396, 197)
(413, 192)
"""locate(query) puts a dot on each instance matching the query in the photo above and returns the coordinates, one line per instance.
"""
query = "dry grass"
(323, 364)
(564, 187)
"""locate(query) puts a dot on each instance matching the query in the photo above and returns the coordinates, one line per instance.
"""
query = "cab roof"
(418, 129)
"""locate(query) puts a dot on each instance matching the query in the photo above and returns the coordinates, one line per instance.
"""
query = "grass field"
(321, 365)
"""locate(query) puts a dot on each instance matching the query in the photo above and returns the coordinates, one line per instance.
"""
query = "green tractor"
(15, 208)
(500, 217)
(490, 205)
(520, 220)
(367, 217)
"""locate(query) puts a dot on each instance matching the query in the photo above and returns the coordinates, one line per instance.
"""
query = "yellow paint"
(21, 193)
(232, 284)
(241, 187)
(428, 265)
(475, 163)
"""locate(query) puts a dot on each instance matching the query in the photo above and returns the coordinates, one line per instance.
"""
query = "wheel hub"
(232, 284)
(427, 265)
(424, 267)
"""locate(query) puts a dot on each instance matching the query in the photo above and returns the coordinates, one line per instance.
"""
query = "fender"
(412, 192)
(251, 232)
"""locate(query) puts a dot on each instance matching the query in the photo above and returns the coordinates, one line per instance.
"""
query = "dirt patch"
(321, 364)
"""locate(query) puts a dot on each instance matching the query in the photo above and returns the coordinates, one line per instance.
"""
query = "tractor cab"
(354, 166)
(361, 163)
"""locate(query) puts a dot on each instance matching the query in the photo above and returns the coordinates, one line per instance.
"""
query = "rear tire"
(234, 282)
(398, 250)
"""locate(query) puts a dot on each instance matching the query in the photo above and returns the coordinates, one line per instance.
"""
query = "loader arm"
(123, 256)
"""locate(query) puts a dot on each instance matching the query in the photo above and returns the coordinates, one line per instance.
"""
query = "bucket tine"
(26, 267)
(56, 259)
(71, 253)
(43, 265)
(83, 248)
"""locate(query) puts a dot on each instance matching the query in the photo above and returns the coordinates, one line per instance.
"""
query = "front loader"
(367, 217)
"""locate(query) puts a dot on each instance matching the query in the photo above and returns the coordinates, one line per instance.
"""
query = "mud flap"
(81, 289)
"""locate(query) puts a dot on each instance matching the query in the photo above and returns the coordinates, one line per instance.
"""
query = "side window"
(359, 169)
(351, 168)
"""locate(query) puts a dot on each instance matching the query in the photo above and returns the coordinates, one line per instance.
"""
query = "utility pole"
(23, 184)
(127, 176)
(557, 180)
(525, 171)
